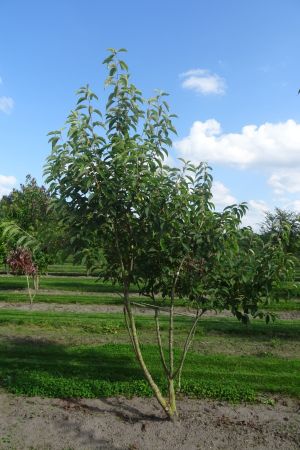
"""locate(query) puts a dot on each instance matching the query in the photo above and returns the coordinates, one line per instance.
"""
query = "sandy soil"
(137, 424)
(73, 307)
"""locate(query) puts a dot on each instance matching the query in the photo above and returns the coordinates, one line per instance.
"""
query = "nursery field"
(72, 343)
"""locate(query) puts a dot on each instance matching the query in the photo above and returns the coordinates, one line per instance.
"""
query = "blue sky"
(231, 68)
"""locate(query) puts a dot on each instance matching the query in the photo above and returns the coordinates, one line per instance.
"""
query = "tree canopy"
(156, 225)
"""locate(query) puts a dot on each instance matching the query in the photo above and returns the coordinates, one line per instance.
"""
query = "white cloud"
(6, 104)
(221, 195)
(293, 205)
(255, 214)
(6, 184)
(203, 81)
(285, 180)
(268, 145)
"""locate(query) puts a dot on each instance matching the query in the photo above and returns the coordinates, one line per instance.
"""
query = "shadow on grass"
(34, 367)
(256, 329)
(92, 362)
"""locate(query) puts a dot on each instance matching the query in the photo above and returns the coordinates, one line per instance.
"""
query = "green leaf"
(123, 66)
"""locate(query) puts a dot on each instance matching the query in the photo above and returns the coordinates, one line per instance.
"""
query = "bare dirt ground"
(73, 307)
(137, 424)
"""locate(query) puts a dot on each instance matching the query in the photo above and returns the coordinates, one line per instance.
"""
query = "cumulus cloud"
(267, 145)
(256, 213)
(6, 184)
(221, 195)
(285, 180)
(203, 82)
(6, 104)
(293, 205)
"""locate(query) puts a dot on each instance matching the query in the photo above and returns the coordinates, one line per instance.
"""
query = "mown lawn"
(39, 355)
(87, 290)
(68, 354)
(83, 284)
(92, 371)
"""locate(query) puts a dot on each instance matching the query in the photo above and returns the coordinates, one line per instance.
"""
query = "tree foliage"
(27, 221)
(21, 263)
(281, 222)
(155, 225)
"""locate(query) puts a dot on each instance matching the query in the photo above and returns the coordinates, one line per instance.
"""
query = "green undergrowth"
(52, 370)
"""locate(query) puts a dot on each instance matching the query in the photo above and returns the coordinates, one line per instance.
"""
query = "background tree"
(278, 222)
(27, 215)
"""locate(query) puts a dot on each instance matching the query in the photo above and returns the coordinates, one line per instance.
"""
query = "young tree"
(21, 263)
(156, 225)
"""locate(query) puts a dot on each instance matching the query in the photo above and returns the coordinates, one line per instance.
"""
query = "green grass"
(60, 283)
(290, 289)
(66, 269)
(93, 371)
(70, 298)
(292, 304)
(86, 286)
(283, 329)
(60, 269)
(31, 365)
(42, 353)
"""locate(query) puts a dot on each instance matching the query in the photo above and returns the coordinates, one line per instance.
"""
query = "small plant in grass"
(156, 225)
(21, 263)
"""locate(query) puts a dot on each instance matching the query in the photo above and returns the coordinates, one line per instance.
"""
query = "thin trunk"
(29, 289)
(172, 395)
(129, 330)
(172, 399)
(171, 336)
(137, 349)
(161, 351)
(36, 283)
(185, 352)
(186, 347)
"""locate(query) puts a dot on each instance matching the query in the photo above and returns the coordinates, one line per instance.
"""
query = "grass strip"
(92, 371)
(94, 322)
(62, 299)
(82, 298)
(60, 283)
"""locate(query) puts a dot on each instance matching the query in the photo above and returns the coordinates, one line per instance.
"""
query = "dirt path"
(74, 307)
(137, 424)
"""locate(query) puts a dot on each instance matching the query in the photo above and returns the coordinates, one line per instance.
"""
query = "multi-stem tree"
(156, 226)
